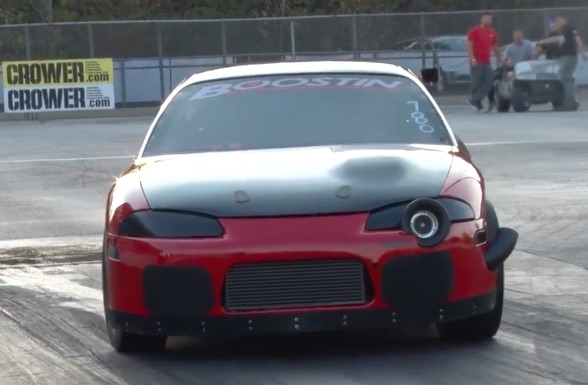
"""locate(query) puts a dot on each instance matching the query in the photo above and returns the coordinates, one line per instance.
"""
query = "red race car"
(301, 197)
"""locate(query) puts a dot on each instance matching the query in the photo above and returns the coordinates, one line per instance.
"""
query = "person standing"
(570, 46)
(482, 41)
(551, 50)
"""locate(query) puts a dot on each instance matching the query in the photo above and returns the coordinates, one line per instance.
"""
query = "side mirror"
(430, 75)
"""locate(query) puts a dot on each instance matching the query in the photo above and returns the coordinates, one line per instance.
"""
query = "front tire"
(557, 104)
(483, 326)
(519, 100)
(120, 340)
(503, 105)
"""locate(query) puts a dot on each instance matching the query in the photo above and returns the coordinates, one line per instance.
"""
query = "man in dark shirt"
(481, 43)
(569, 47)
(551, 50)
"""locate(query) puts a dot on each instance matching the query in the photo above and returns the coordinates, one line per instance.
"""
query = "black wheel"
(519, 100)
(503, 105)
(484, 326)
(120, 340)
(557, 104)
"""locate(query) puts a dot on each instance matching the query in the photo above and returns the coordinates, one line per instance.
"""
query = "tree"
(34, 11)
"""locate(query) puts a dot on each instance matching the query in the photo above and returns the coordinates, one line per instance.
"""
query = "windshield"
(536, 67)
(453, 43)
(278, 112)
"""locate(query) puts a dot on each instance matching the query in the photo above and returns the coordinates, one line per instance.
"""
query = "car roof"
(299, 68)
(438, 37)
(451, 35)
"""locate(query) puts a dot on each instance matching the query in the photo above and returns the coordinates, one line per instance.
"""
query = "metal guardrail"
(151, 57)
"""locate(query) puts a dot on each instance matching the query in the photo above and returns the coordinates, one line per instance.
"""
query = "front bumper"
(501, 248)
(180, 287)
(541, 91)
(303, 321)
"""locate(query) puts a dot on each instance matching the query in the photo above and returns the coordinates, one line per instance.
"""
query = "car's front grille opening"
(274, 285)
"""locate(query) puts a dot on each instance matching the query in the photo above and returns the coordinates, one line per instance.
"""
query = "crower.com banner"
(58, 85)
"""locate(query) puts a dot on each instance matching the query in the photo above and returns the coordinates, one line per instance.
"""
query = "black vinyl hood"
(295, 181)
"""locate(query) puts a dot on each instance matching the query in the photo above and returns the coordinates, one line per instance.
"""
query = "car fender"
(125, 197)
(466, 183)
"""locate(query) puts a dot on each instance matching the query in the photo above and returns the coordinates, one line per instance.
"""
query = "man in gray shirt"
(519, 50)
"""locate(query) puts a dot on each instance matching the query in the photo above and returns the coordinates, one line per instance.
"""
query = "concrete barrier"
(60, 115)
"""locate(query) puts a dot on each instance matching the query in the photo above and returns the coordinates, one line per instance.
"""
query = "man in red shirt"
(481, 42)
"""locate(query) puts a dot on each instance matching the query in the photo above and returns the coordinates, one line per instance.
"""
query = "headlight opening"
(428, 220)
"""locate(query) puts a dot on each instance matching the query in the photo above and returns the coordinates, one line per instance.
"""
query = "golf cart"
(529, 83)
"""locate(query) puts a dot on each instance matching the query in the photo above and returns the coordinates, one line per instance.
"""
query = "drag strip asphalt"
(55, 176)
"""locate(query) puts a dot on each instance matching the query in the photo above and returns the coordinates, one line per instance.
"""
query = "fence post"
(160, 59)
(293, 38)
(224, 40)
(123, 82)
(354, 43)
(423, 39)
(91, 39)
(27, 38)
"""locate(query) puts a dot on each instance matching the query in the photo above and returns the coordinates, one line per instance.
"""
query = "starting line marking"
(51, 242)
(515, 142)
(15, 161)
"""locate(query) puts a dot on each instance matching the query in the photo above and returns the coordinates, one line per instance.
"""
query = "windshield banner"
(292, 83)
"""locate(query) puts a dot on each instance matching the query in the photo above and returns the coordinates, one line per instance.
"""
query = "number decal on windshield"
(419, 118)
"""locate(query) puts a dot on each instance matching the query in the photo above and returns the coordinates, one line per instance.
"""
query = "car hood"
(300, 181)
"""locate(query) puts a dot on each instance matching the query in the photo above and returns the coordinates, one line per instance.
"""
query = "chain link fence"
(151, 57)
